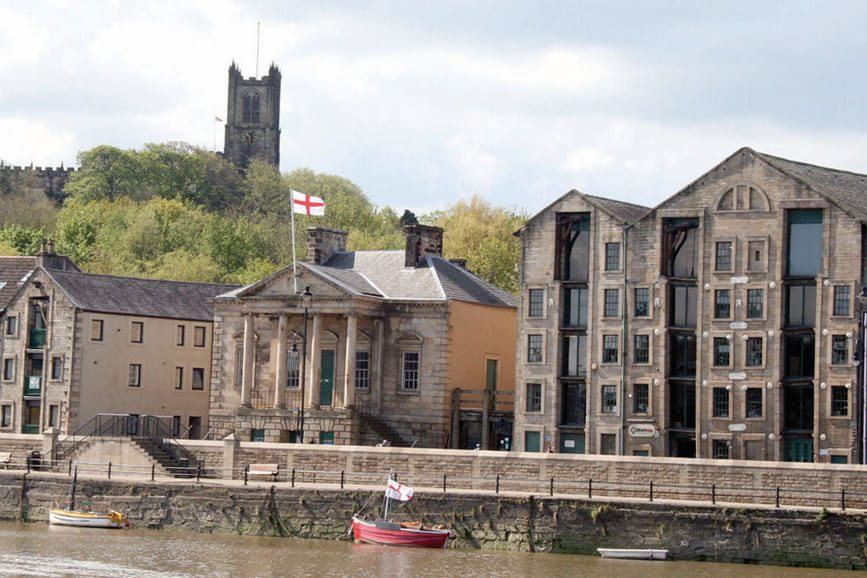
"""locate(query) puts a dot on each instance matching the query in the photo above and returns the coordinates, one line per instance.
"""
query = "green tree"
(106, 173)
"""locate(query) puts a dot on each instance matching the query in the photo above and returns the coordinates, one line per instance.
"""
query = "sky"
(426, 103)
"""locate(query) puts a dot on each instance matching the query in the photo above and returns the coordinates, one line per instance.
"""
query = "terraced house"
(719, 324)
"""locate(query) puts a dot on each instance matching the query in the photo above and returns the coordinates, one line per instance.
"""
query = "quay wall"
(477, 519)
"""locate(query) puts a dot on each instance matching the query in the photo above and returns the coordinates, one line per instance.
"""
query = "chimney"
(422, 240)
(322, 243)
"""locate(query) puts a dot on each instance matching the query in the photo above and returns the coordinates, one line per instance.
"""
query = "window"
(684, 305)
(720, 449)
(612, 303)
(136, 332)
(756, 256)
(532, 441)
(722, 305)
(53, 415)
(641, 398)
(680, 242)
(610, 348)
(608, 444)
(199, 336)
(181, 335)
(250, 107)
(293, 369)
(56, 368)
(536, 306)
(798, 408)
(612, 256)
(135, 375)
(198, 378)
(804, 242)
(839, 401)
(7, 416)
(681, 399)
(683, 355)
(179, 378)
(362, 370)
(839, 350)
(574, 404)
(575, 307)
(724, 256)
(534, 397)
(534, 348)
(642, 302)
(96, 330)
(755, 303)
(641, 349)
(754, 403)
(12, 325)
(176, 426)
(842, 300)
(573, 246)
(609, 399)
(801, 305)
(9, 369)
(239, 366)
(755, 353)
(799, 355)
(720, 402)
(721, 352)
(411, 370)
(574, 356)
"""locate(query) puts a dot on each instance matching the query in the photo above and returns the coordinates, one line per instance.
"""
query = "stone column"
(282, 368)
(314, 354)
(249, 358)
(349, 372)
(230, 444)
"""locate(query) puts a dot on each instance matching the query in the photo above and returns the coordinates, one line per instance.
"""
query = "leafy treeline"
(173, 211)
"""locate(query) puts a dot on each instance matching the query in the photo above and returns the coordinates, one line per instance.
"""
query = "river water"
(43, 550)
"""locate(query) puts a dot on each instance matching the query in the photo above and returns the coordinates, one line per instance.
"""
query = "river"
(43, 550)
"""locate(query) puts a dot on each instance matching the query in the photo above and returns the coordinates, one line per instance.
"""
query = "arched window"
(251, 107)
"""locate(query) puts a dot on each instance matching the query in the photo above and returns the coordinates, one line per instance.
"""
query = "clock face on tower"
(250, 136)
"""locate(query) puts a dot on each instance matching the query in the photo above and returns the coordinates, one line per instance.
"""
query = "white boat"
(110, 519)
(633, 553)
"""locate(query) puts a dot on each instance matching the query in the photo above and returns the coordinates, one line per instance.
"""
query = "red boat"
(394, 534)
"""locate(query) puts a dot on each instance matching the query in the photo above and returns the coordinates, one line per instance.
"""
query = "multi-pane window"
(536, 303)
(411, 367)
(641, 398)
(755, 303)
(612, 256)
(799, 355)
(136, 332)
(610, 348)
(721, 352)
(534, 397)
(9, 368)
(293, 369)
(839, 350)
(198, 378)
(608, 444)
(722, 304)
(179, 378)
(534, 348)
(753, 402)
(839, 401)
(135, 375)
(720, 449)
(612, 303)
(250, 107)
(641, 348)
(801, 305)
(12, 325)
(720, 402)
(574, 404)
(573, 246)
(199, 335)
(680, 243)
(842, 300)
(362, 370)
(642, 301)
(181, 336)
(609, 399)
(575, 302)
(804, 243)
(755, 353)
(56, 368)
(724, 256)
(684, 305)
(96, 330)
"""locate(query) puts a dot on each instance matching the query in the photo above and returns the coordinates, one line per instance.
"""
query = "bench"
(5, 459)
(263, 470)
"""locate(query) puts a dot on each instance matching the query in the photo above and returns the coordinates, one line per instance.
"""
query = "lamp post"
(306, 298)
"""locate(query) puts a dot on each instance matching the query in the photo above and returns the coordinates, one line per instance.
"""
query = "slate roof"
(383, 274)
(139, 297)
(13, 272)
(627, 213)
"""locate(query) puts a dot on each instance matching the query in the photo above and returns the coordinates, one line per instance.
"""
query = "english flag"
(396, 491)
(218, 119)
(307, 205)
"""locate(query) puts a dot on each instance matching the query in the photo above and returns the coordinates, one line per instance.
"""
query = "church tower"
(253, 118)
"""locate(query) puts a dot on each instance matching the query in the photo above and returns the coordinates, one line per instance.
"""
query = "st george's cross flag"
(307, 205)
(396, 491)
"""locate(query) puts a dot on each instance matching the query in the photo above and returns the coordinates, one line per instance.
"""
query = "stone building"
(253, 118)
(75, 345)
(375, 342)
(731, 334)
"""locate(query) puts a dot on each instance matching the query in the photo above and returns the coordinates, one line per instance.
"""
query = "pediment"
(283, 284)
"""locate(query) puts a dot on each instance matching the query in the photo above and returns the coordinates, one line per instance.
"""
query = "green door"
(798, 450)
(571, 443)
(326, 381)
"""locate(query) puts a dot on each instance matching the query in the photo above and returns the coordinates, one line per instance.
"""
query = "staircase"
(374, 430)
(173, 463)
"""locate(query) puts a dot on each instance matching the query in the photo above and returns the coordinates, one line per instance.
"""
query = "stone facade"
(253, 118)
(724, 327)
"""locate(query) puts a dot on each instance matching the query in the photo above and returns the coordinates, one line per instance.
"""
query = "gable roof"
(140, 297)
(626, 213)
(13, 272)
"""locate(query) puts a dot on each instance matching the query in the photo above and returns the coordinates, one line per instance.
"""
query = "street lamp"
(306, 298)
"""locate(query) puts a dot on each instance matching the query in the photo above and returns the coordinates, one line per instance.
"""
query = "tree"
(106, 173)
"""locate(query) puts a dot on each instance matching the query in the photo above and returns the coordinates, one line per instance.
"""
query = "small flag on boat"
(396, 491)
